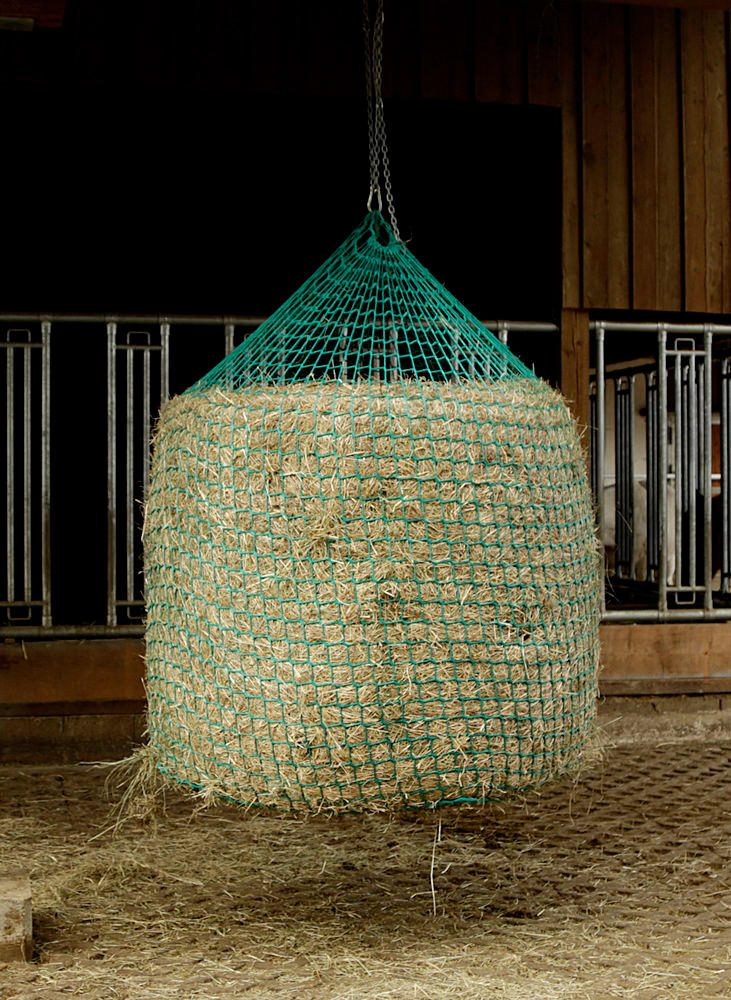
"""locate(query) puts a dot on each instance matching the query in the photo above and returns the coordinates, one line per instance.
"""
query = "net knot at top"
(370, 312)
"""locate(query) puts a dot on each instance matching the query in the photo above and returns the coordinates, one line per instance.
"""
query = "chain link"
(377, 140)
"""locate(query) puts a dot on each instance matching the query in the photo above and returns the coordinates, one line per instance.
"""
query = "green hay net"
(370, 556)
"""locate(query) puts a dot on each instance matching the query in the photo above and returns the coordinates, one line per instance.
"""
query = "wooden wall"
(643, 92)
(645, 112)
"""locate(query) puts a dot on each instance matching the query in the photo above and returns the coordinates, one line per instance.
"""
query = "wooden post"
(16, 921)
(575, 362)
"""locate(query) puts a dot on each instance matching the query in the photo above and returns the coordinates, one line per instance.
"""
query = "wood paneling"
(542, 53)
(575, 337)
(66, 670)
(706, 161)
(654, 225)
(656, 191)
(606, 198)
(664, 658)
(499, 40)
(571, 215)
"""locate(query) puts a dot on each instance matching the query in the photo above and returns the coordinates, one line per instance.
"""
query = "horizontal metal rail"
(133, 378)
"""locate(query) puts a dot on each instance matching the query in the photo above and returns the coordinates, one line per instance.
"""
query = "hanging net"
(370, 556)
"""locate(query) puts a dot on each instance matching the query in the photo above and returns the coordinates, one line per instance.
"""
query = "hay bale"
(365, 596)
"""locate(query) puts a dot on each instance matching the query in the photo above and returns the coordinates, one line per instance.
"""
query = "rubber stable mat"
(616, 884)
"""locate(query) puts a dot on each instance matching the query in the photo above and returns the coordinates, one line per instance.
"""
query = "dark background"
(190, 157)
(204, 158)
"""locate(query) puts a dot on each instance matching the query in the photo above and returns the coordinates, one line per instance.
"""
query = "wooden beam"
(66, 670)
(571, 291)
(669, 658)
(575, 362)
(606, 183)
(687, 4)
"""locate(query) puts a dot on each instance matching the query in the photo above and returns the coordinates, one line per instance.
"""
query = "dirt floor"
(613, 884)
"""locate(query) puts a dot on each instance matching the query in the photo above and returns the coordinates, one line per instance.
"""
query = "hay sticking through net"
(366, 595)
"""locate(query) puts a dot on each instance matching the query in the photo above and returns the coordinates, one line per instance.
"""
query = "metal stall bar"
(138, 348)
(228, 337)
(111, 474)
(165, 361)
(27, 428)
(692, 456)
(10, 475)
(653, 476)
(679, 473)
(662, 474)
(624, 474)
(691, 373)
(593, 439)
(707, 473)
(600, 456)
(46, 607)
(693, 429)
(129, 468)
(725, 470)
(23, 511)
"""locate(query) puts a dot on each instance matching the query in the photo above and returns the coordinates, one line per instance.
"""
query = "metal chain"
(377, 141)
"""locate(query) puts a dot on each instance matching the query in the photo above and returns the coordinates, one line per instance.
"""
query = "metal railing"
(663, 498)
(138, 372)
(662, 486)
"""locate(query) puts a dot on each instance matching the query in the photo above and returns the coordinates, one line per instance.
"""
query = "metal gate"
(660, 460)
(659, 441)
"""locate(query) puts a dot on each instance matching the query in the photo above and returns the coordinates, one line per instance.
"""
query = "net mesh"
(370, 556)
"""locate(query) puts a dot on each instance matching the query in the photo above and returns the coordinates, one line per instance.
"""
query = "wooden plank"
(575, 362)
(67, 670)
(41, 709)
(716, 160)
(689, 4)
(606, 231)
(694, 165)
(571, 292)
(677, 654)
(669, 247)
(542, 54)
(499, 57)
(664, 685)
(644, 160)
(447, 49)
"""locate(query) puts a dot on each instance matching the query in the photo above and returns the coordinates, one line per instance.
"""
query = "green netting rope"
(370, 554)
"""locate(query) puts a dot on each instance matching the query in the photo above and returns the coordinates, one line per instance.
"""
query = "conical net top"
(371, 312)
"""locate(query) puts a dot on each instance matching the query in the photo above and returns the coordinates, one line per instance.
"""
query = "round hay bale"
(364, 596)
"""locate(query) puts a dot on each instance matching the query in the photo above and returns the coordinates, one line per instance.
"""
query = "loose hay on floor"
(616, 886)
(369, 595)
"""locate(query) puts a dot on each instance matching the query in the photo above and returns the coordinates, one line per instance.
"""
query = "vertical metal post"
(652, 431)
(624, 474)
(593, 440)
(503, 329)
(662, 463)
(111, 474)
(129, 498)
(46, 610)
(146, 421)
(10, 458)
(27, 428)
(165, 361)
(228, 338)
(726, 475)
(679, 485)
(392, 355)
(694, 430)
(600, 455)
(707, 470)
